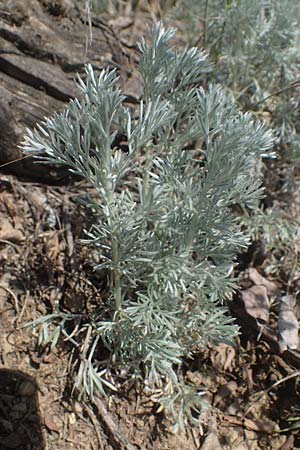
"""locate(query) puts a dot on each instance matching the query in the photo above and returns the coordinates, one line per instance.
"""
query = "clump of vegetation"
(164, 223)
(255, 48)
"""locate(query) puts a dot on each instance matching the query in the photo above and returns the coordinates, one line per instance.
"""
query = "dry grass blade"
(288, 325)
(263, 393)
(10, 292)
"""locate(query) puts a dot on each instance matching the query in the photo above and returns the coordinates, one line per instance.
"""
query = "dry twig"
(95, 423)
(116, 435)
(263, 393)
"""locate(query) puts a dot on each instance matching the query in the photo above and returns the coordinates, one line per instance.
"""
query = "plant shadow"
(20, 422)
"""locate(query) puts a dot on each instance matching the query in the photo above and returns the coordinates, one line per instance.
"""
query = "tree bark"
(43, 45)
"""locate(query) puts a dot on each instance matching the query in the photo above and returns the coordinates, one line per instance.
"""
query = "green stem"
(116, 278)
(116, 275)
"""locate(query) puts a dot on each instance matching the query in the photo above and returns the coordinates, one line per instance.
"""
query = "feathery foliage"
(255, 46)
(164, 225)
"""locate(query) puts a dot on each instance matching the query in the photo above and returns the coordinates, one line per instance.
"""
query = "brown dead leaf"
(261, 426)
(7, 203)
(52, 247)
(4, 281)
(9, 233)
(51, 423)
(211, 441)
(288, 325)
(259, 280)
(223, 357)
(37, 198)
(256, 302)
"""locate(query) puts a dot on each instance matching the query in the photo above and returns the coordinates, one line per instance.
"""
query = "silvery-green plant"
(255, 46)
(164, 223)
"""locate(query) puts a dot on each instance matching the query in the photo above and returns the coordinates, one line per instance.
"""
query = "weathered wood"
(42, 47)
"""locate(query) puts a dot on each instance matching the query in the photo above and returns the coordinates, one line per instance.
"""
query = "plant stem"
(115, 275)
